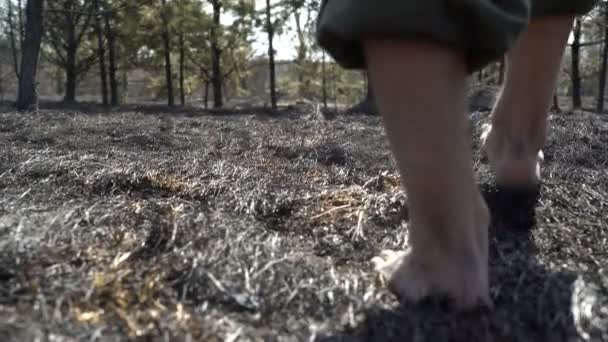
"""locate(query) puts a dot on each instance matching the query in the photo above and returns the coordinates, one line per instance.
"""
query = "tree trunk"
(124, 94)
(60, 85)
(70, 85)
(576, 79)
(101, 53)
(27, 96)
(556, 108)
(206, 95)
(182, 67)
(216, 80)
(604, 59)
(20, 26)
(12, 37)
(70, 75)
(302, 53)
(167, 52)
(71, 48)
(324, 82)
(271, 64)
(335, 89)
(1, 82)
(111, 58)
(216, 67)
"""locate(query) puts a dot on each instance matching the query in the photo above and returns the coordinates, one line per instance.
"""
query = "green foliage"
(138, 27)
(190, 22)
(69, 39)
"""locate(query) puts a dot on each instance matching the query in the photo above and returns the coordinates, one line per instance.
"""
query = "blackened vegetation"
(117, 225)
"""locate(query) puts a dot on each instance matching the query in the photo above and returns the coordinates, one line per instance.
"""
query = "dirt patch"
(144, 224)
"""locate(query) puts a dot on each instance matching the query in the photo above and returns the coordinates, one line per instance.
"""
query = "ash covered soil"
(177, 226)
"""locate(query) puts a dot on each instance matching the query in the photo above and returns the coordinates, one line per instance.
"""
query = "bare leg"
(514, 140)
(420, 88)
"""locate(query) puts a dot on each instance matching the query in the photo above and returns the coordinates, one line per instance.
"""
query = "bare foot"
(427, 271)
(410, 279)
(515, 163)
(512, 144)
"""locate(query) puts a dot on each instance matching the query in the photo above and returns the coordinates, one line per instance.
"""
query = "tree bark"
(20, 25)
(60, 84)
(70, 70)
(575, 52)
(604, 60)
(216, 52)
(324, 82)
(101, 55)
(556, 106)
(12, 38)
(27, 97)
(167, 52)
(271, 64)
(111, 58)
(1, 82)
(302, 53)
(334, 83)
(124, 94)
(182, 69)
(206, 95)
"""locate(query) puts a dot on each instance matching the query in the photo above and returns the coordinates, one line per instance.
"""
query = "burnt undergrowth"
(141, 224)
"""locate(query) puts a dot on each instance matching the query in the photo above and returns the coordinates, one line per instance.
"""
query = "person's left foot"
(515, 164)
(447, 261)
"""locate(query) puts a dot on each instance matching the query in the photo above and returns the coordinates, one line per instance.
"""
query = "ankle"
(520, 116)
(515, 161)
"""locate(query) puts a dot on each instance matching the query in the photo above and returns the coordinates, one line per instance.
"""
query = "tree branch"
(201, 66)
(229, 72)
(58, 45)
(85, 26)
(84, 65)
(57, 10)
(56, 61)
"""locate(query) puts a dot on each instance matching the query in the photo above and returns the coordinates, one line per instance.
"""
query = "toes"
(386, 265)
(386, 254)
(394, 270)
(378, 262)
(389, 254)
(387, 257)
(402, 276)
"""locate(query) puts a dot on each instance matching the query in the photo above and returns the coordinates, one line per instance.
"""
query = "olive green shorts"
(483, 29)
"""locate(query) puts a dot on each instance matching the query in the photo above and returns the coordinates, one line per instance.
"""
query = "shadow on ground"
(531, 302)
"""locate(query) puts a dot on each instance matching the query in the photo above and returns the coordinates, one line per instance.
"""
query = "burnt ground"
(181, 226)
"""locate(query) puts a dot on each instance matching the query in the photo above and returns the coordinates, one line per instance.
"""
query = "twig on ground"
(327, 212)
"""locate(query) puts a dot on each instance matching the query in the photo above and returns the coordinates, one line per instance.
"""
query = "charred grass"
(135, 225)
